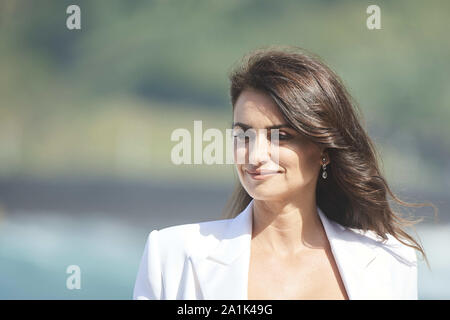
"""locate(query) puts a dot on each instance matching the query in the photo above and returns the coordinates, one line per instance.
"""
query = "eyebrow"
(246, 126)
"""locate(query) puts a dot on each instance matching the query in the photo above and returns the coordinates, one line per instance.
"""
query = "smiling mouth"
(258, 175)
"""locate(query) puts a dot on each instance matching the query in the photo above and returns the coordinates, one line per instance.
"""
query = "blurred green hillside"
(104, 100)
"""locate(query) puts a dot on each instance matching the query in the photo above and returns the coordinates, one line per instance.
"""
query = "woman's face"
(295, 167)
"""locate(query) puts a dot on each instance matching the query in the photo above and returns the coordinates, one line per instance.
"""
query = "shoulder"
(398, 252)
(404, 251)
(183, 240)
(369, 241)
(393, 267)
(165, 253)
(401, 263)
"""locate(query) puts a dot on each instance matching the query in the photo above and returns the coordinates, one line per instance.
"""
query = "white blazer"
(210, 260)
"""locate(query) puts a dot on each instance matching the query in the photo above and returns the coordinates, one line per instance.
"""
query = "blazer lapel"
(222, 272)
(354, 252)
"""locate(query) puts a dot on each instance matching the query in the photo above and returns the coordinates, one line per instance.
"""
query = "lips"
(262, 172)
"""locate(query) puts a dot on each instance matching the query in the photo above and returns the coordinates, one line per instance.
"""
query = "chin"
(264, 193)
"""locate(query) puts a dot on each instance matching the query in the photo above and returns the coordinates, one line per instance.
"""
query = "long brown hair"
(313, 99)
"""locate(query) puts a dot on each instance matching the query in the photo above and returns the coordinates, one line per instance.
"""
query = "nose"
(259, 152)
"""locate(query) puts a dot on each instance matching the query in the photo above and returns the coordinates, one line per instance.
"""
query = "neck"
(287, 227)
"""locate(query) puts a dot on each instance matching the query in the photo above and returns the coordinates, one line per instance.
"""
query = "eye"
(282, 136)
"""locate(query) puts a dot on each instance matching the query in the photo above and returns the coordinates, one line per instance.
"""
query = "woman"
(312, 222)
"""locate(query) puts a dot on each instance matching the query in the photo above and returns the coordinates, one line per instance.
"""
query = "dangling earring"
(324, 168)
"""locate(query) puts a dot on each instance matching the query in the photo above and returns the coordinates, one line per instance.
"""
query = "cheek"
(289, 159)
(299, 161)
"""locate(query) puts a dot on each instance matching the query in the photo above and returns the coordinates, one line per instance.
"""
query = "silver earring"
(324, 168)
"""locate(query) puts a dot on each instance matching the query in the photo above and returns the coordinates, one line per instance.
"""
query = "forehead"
(257, 109)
